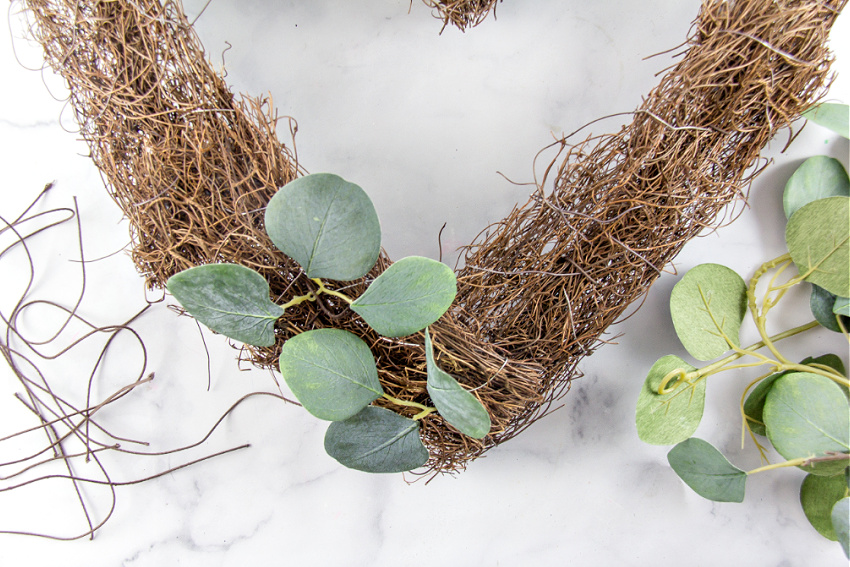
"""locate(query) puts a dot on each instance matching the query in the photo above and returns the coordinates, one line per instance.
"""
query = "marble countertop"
(433, 127)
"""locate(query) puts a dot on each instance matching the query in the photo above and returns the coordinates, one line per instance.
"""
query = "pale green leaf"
(407, 297)
(817, 178)
(817, 236)
(707, 471)
(707, 307)
(754, 405)
(376, 440)
(332, 373)
(457, 406)
(818, 495)
(841, 524)
(326, 224)
(667, 419)
(229, 299)
(831, 115)
(841, 306)
(807, 415)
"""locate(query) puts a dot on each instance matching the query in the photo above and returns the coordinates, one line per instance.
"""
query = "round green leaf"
(229, 299)
(669, 418)
(707, 303)
(818, 495)
(376, 440)
(807, 415)
(327, 225)
(332, 373)
(823, 305)
(457, 406)
(841, 523)
(841, 306)
(817, 236)
(817, 178)
(707, 471)
(407, 297)
(831, 115)
(754, 405)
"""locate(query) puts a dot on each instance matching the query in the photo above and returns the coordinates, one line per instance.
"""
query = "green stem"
(299, 299)
(323, 289)
(802, 461)
(425, 409)
(761, 317)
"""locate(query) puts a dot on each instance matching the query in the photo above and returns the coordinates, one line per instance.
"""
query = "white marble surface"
(369, 84)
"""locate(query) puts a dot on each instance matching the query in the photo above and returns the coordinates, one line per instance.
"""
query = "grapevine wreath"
(193, 167)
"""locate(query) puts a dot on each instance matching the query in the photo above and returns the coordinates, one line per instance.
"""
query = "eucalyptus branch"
(804, 461)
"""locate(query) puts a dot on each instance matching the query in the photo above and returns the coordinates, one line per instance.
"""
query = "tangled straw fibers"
(462, 14)
(193, 167)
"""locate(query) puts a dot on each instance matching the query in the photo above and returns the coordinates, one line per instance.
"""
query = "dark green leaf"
(841, 524)
(332, 373)
(831, 115)
(707, 471)
(669, 418)
(822, 304)
(229, 299)
(818, 495)
(376, 440)
(807, 415)
(709, 299)
(327, 225)
(410, 295)
(817, 178)
(457, 406)
(817, 236)
(754, 406)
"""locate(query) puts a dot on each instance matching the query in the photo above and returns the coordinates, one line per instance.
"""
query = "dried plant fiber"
(192, 167)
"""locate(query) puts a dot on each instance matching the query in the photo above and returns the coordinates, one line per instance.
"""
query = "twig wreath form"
(193, 167)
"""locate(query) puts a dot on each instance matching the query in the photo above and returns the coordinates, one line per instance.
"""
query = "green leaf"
(457, 406)
(830, 115)
(823, 304)
(709, 301)
(818, 495)
(817, 178)
(817, 236)
(707, 471)
(669, 418)
(407, 297)
(841, 306)
(807, 415)
(841, 524)
(327, 225)
(754, 405)
(229, 299)
(376, 440)
(332, 373)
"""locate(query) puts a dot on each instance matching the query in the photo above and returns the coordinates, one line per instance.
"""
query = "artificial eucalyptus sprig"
(801, 407)
(330, 228)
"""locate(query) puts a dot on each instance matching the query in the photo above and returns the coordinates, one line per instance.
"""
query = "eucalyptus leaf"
(407, 297)
(332, 373)
(817, 236)
(808, 415)
(326, 224)
(707, 471)
(817, 178)
(841, 524)
(754, 405)
(376, 440)
(667, 419)
(229, 299)
(841, 306)
(457, 406)
(709, 301)
(830, 115)
(822, 304)
(818, 495)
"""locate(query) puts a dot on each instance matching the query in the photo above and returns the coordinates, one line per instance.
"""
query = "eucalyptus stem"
(714, 367)
(425, 409)
(323, 289)
(761, 316)
(311, 296)
(802, 461)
